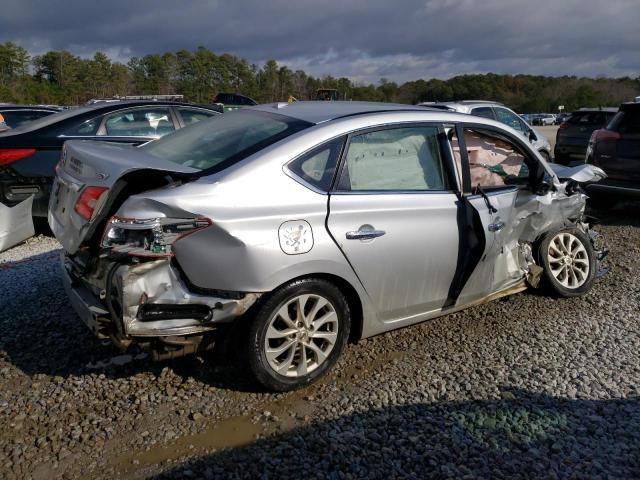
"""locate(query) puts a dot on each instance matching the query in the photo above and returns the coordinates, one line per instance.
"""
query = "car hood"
(580, 173)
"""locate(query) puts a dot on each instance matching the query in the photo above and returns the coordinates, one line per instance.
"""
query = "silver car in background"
(299, 227)
(497, 111)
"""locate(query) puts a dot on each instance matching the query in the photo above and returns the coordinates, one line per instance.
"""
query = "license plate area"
(60, 198)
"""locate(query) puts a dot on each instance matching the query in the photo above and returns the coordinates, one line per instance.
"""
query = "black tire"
(550, 280)
(256, 356)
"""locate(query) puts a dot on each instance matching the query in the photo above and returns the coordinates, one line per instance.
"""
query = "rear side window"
(399, 159)
(486, 112)
(318, 166)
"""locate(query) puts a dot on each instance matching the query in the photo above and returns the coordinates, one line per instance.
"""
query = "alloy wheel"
(568, 260)
(300, 335)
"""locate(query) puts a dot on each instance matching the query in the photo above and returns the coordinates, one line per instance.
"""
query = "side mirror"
(572, 188)
(532, 135)
(543, 188)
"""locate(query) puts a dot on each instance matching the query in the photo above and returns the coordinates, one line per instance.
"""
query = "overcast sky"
(361, 39)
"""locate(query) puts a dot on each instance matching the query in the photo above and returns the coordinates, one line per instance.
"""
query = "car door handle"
(494, 227)
(365, 234)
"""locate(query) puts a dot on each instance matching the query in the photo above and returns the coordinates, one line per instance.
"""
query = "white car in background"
(497, 111)
(548, 120)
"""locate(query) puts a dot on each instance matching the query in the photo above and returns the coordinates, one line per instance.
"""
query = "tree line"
(60, 77)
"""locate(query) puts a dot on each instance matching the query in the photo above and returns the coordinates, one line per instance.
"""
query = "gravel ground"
(529, 386)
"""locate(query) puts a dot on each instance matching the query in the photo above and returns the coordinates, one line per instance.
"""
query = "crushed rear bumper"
(147, 300)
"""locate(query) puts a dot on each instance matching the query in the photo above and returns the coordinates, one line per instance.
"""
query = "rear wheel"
(568, 260)
(297, 334)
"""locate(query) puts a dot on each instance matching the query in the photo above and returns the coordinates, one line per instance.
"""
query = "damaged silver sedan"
(302, 226)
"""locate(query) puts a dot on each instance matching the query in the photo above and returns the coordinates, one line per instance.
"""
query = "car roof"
(463, 102)
(13, 106)
(319, 112)
(464, 106)
(597, 109)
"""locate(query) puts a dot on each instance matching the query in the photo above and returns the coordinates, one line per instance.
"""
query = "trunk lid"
(98, 164)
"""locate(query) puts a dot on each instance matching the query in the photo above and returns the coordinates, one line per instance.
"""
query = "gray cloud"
(361, 39)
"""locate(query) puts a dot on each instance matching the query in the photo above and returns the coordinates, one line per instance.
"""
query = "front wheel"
(568, 261)
(297, 334)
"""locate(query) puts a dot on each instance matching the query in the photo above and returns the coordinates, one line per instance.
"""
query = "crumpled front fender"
(580, 173)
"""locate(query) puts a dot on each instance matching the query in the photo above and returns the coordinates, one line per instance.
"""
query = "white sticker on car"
(295, 237)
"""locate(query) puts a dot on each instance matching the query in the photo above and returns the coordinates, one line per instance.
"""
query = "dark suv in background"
(616, 149)
(573, 134)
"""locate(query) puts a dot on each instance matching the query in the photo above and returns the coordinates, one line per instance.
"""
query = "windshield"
(223, 140)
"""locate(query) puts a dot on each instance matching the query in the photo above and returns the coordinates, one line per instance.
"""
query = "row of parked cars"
(287, 230)
(30, 150)
(542, 119)
(610, 139)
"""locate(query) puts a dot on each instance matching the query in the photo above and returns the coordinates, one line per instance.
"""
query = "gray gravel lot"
(529, 386)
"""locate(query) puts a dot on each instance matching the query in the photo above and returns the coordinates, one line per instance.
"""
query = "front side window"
(509, 118)
(399, 159)
(141, 122)
(317, 167)
(494, 162)
(225, 139)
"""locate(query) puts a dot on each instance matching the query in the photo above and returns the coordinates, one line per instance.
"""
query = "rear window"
(15, 118)
(53, 118)
(214, 144)
(599, 119)
(626, 122)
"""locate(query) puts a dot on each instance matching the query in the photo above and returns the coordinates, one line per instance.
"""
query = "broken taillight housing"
(86, 204)
(152, 237)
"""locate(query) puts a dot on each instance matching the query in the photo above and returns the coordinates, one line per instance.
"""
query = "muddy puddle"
(279, 416)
